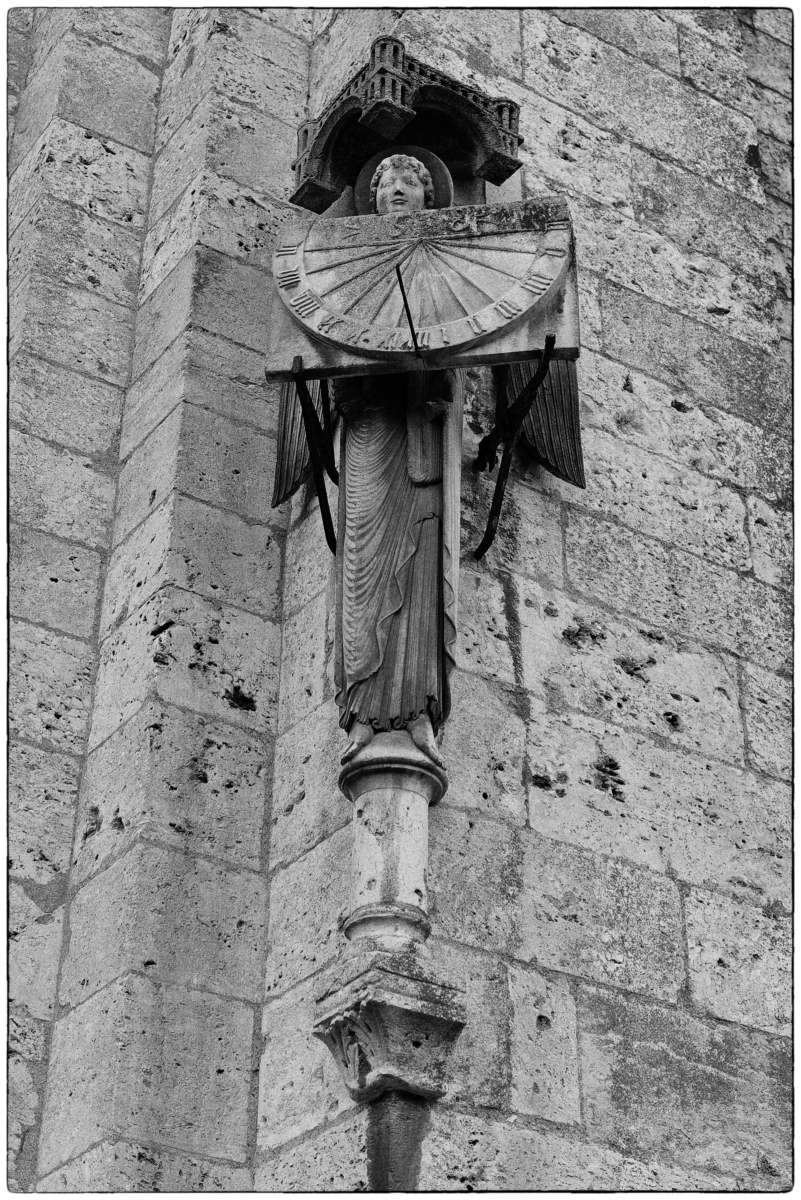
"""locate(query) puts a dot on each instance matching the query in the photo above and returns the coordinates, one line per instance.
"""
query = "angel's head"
(401, 184)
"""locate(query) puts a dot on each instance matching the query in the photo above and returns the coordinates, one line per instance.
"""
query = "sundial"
(484, 283)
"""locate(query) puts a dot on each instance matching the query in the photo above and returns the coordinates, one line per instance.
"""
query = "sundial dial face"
(469, 274)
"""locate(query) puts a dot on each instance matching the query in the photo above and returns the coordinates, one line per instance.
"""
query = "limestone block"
(473, 879)
(51, 582)
(177, 919)
(663, 422)
(22, 1112)
(484, 747)
(309, 565)
(595, 784)
(564, 153)
(679, 592)
(739, 960)
(50, 687)
(219, 661)
(164, 315)
(483, 643)
(293, 20)
(231, 140)
(18, 61)
(714, 68)
(307, 901)
(43, 475)
(307, 805)
(660, 1083)
(341, 47)
(34, 949)
(460, 1152)
(700, 217)
(333, 1158)
(93, 85)
(20, 19)
(232, 300)
(771, 534)
(59, 405)
(213, 553)
(129, 1167)
(576, 656)
(662, 499)
(41, 797)
(476, 1068)
(614, 89)
(186, 781)
(141, 32)
(78, 329)
(303, 663)
(468, 1152)
(300, 1085)
(775, 168)
(248, 60)
(90, 171)
(601, 918)
(768, 718)
(648, 34)
(218, 461)
(205, 370)
(535, 523)
(543, 1052)
(720, 25)
(69, 245)
(618, 248)
(193, 1048)
(219, 213)
(776, 22)
(26, 1034)
(720, 370)
(480, 47)
(770, 62)
(772, 112)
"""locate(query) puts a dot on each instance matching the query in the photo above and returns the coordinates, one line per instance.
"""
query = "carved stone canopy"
(476, 135)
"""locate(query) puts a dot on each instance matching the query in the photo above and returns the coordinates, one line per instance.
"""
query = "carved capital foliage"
(387, 1031)
(379, 102)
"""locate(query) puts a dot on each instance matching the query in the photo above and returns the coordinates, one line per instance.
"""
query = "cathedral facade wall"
(609, 869)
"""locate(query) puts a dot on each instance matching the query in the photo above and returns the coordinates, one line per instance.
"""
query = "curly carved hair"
(403, 160)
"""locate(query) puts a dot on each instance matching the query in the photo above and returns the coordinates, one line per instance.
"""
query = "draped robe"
(398, 538)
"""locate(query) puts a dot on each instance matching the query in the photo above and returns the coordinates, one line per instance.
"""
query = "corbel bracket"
(389, 1031)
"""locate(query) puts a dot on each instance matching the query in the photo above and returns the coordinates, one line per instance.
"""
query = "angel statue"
(398, 528)
(397, 539)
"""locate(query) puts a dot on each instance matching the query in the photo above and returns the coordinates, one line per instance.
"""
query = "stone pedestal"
(384, 1013)
(391, 784)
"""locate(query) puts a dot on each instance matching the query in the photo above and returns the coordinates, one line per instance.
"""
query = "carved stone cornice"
(383, 97)
(389, 1023)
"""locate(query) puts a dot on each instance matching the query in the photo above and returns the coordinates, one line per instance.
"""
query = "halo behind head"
(440, 177)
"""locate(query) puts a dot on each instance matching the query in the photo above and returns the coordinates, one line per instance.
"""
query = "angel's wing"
(293, 462)
(552, 427)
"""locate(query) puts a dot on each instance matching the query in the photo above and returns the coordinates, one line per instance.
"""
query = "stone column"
(391, 785)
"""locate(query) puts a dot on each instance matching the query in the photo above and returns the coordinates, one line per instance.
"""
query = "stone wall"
(610, 867)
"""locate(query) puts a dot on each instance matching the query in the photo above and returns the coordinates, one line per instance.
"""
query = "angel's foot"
(360, 736)
(422, 734)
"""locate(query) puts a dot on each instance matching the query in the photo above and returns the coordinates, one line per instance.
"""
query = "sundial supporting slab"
(485, 284)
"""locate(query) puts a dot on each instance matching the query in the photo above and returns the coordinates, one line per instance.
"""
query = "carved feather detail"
(293, 464)
(552, 427)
